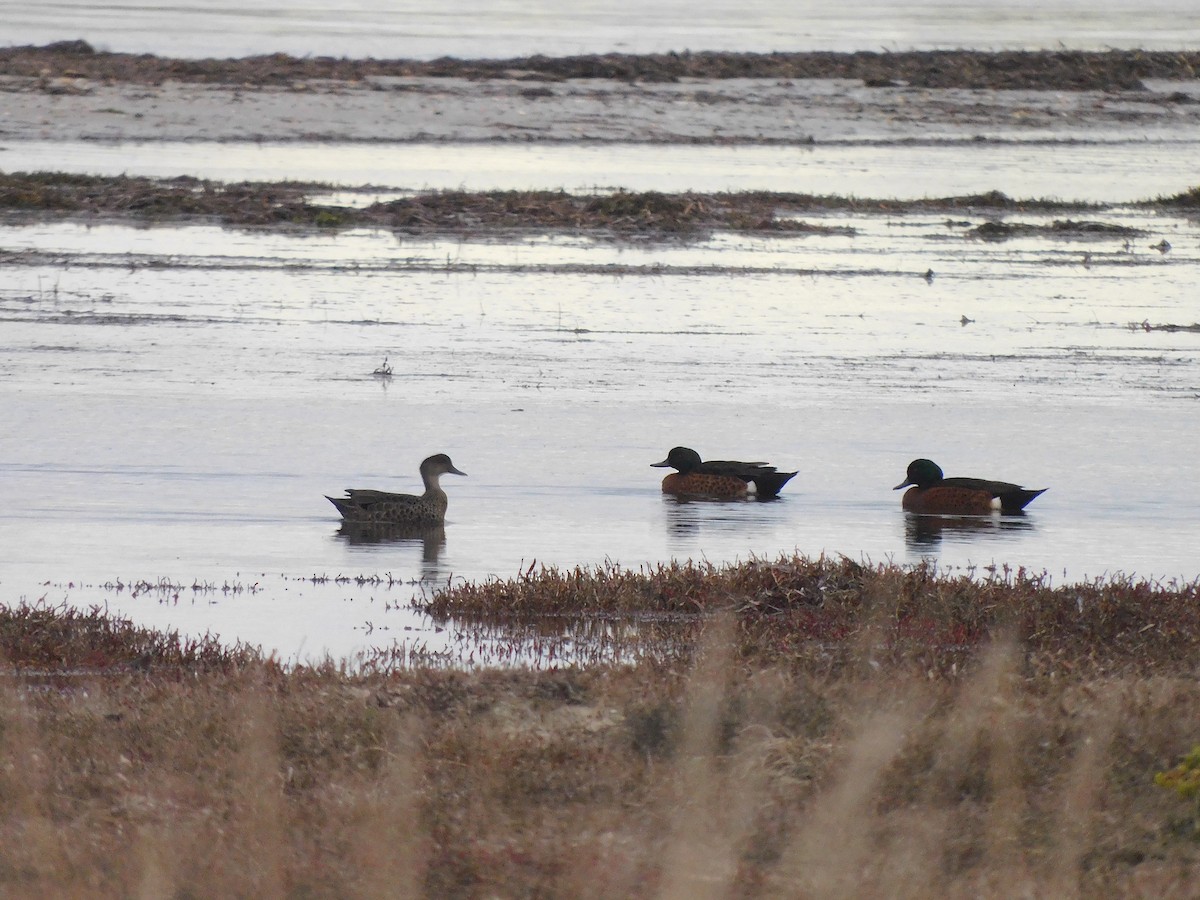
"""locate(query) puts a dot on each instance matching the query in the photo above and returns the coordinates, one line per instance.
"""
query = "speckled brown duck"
(931, 493)
(384, 508)
(719, 478)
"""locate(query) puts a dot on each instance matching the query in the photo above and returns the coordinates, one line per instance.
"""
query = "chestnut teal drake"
(382, 507)
(931, 493)
(719, 478)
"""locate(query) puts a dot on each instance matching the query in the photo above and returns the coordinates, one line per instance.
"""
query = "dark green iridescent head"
(682, 458)
(922, 473)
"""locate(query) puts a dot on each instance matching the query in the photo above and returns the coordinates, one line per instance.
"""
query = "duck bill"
(904, 484)
(454, 471)
(661, 465)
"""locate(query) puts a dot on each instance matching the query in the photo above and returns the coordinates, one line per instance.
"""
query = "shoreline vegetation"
(645, 215)
(773, 728)
(1112, 70)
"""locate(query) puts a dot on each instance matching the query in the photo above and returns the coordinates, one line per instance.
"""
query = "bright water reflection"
(1067, 171)
(474, 28)
(186, 398)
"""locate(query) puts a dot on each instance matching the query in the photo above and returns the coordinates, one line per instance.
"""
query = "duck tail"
(1015, 501)
(344, 506)
(769, 484)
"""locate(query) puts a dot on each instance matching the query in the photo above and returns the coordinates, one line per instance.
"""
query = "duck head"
(922, 473)
(439, 464)
(682, 458)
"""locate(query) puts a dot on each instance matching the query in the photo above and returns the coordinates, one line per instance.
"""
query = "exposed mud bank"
(1044, 70)
(623, 214)
(70, 92)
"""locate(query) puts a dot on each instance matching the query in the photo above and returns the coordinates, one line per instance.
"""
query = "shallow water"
(475, 28)
(178, 401)
(1067, 171)
(184, 398)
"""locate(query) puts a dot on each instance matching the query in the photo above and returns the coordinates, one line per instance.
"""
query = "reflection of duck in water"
(934, 494)
(432, 537)
(926, 532)
(720, 479)
(381, 507)
(682, 520)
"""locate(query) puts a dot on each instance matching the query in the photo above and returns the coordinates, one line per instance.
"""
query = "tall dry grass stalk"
(387, 843)
(986, 720)
(25, 786)
(259, 822)
(152, 859)
(1081, 799)
(830, 853)
(710, 809)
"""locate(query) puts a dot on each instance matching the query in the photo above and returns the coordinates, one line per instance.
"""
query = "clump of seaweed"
(1189, 199)
(1071, 70)
(161, 199)
(1170, 327)
(1059, 228)
(620, 215)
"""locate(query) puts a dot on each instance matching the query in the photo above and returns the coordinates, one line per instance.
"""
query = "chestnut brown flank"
(708, 485)
(953, 501)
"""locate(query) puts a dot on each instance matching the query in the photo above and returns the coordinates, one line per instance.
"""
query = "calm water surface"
(178, 401)
(502, 28)
(1074, 172)
(185, 398)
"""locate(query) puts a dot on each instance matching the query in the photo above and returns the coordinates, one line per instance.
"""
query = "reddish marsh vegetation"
(818, 727)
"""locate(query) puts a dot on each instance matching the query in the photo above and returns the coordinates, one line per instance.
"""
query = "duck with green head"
(931, 493)
(384, 508)
(719, 478)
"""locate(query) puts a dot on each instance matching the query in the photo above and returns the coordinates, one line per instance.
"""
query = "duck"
(931, 493)
(721, 478)
(382, 507)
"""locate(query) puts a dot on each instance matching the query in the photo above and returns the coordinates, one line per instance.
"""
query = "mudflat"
(70, 92)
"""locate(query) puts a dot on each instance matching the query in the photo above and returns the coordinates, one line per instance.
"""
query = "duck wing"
(358, 503)
(369, 496)
(1013, 497)
(768, 480)
(747, 471)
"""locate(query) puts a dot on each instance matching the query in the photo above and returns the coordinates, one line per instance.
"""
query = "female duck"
(383, 508)
(719, 478)
(934, 494)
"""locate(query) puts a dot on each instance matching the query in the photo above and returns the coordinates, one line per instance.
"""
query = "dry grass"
(812, 736)
(1036, 70)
